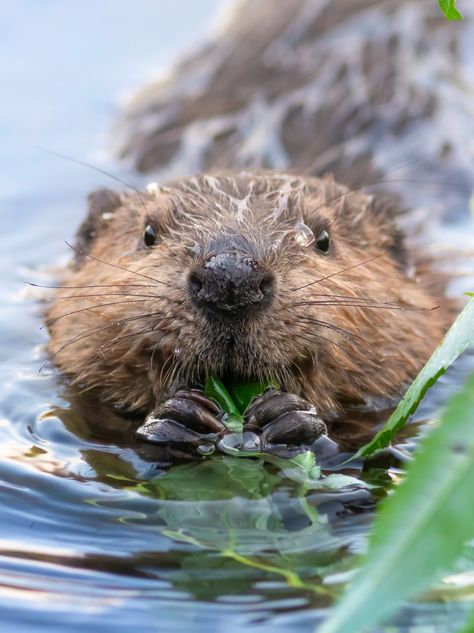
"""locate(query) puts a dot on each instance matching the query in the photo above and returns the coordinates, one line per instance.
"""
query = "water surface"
(93, 533)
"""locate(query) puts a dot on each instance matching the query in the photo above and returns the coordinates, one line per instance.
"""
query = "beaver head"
(248, 274)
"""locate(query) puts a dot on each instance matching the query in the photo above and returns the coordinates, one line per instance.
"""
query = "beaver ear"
(101, 206)
(385, 210)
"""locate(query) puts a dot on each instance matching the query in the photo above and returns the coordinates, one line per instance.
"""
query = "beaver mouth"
(228, 313)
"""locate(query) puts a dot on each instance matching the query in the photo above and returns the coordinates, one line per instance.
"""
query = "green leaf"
(234, 399)
(459, 338)
(236, 396)
(216, 391)
(448, 7)
(422, 527)
(302, 468)
(244, 392)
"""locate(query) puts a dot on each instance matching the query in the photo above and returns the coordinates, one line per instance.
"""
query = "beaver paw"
(288, 420)
(187, 422)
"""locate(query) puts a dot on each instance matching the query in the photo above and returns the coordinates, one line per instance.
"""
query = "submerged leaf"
(302, 468)
(459, 338)
(421, 529)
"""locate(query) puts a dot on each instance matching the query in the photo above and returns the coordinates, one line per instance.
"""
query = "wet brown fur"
(345, 329)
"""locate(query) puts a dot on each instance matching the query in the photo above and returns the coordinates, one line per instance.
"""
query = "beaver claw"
(188, 420)
(189, 424)
(286, 419)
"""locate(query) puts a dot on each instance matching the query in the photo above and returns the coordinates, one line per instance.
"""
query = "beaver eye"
(149, 237)
(322, 242)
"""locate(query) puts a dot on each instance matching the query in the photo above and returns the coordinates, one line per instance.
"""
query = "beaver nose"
(230, 284)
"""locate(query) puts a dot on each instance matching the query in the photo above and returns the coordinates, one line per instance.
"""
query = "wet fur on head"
(342, 329)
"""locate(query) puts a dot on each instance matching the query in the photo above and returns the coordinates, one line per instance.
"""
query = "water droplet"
(152, 188)
(206, 449)
(303, 234)
(251, 441)
(233, 443)
(230, 444)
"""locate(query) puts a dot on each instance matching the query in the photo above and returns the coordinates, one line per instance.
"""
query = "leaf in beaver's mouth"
(234, 398)
(215, 390)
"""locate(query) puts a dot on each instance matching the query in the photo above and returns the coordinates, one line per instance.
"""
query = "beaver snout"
(230, 284)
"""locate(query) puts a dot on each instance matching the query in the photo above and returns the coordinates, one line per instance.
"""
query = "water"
(93, 534)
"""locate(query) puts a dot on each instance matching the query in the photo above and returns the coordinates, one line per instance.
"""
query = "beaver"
(262, 266)
(296, 281)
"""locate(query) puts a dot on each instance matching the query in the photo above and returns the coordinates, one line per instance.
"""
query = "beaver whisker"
(343, 270)
(353, 302)
(315, 352)
(342, 300)
(295, 364)
(351, 298)
(115, 285)
(315, 168)
(49, 322)
(318, 337)
(71, 159)
(78, 337)
(282, 376)
(102, 261)
(85, 333)
(148, 315)
(125, 337)
(335, 328)
(155, 347)
(418, 181)
(116, 294)
(173, 374)
(188, 372)
(128, 184)
(374, 306)
(169, 361)
(168, 370)
(182, 373)
(100, 170)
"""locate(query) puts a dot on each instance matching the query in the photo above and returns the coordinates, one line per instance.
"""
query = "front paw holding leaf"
(245, 419)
